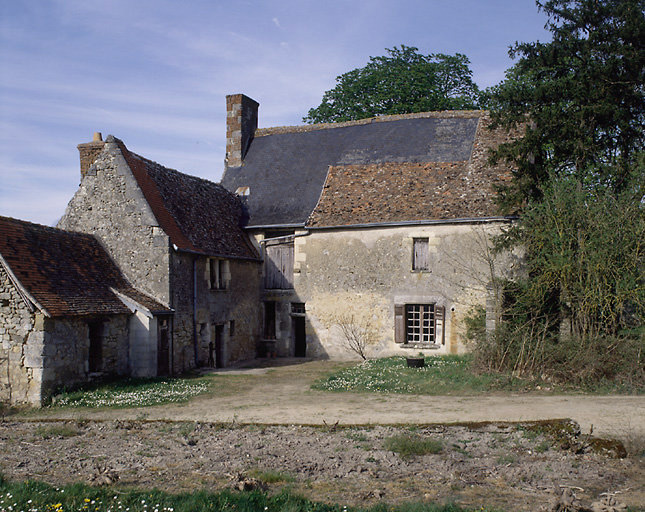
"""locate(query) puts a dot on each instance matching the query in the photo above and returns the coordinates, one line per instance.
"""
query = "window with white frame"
(419, 325)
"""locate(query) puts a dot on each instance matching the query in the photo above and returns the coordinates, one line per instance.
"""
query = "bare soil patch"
(513, 467)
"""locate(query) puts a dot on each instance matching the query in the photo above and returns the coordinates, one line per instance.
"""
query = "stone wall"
(238, 303)
(18, 383)
(143, 345)
(63, 345)
(110, 205)
(361, 274)
(39, 354)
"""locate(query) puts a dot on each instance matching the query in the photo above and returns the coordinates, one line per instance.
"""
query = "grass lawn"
(134, 392)
(441, 375)
(39, 497)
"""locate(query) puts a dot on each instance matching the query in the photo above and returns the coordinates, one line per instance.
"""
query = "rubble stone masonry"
(110, 205)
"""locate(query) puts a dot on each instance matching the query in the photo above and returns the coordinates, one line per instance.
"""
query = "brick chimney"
(89, 151)
(241, 123)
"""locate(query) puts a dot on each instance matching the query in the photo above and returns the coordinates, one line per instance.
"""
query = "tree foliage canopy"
(401, 82)
(578, 184)
(582, 94)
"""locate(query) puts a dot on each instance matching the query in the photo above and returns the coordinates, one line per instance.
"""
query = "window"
(420, 254)
(297, 308)
(218, 275)
(231, 328)
(278, 267)
(418, 325)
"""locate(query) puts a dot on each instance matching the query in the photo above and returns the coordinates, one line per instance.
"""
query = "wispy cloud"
(155, 73)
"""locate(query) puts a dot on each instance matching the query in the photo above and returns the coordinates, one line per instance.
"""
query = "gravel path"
(282, 395)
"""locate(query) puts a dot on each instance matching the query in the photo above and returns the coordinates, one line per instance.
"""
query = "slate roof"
(286, 168)
(198, 215)
(393, 192)
(66, 273)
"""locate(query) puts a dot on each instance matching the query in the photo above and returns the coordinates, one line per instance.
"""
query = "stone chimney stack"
(89, 151)
(241, 123)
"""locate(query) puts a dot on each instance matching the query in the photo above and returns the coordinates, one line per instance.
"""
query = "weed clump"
(408, 445)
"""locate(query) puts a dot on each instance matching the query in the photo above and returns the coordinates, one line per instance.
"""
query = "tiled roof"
(397, 192)
(66, 273)
(198, 215)
(414, 191)
(286, 168)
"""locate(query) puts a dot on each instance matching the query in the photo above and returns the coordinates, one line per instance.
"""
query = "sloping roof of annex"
(64, 273)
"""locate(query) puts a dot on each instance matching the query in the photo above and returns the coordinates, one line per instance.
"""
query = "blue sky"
(155, 73)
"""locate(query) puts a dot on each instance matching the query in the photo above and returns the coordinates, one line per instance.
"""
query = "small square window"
(297, 308)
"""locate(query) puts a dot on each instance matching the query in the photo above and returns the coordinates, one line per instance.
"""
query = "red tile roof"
(66, 273)
(408, 191)
(402, 192)
(198, 215)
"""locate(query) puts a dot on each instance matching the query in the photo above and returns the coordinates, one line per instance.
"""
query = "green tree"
(578, 185)
(401, 82)
(580, 97)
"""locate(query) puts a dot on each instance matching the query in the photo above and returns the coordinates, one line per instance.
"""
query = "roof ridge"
(192, 176)
(154, 198)
(437, 114)
(4, 218)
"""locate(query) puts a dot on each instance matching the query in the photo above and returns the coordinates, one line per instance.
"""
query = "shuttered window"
(419, 324)
(420, 254)
(278, 267)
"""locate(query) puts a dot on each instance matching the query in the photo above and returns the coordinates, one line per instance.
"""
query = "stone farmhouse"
(376, 227)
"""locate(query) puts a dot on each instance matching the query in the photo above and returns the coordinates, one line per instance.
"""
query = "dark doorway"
(96, 347)
(269, 320)
(163, 347)
(219, 346)
(300, 337)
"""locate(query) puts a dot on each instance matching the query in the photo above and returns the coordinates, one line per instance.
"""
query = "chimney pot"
(97, 137)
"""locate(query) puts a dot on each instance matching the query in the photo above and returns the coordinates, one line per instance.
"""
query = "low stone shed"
(67, 315)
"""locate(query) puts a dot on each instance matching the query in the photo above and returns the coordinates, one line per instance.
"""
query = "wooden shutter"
(272, 267)
(286, 266)
(207, 272)
(279, 267)
(420, 256)
(439, 324)
(399, 323)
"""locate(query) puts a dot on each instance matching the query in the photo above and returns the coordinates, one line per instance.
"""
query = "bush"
(576, 316)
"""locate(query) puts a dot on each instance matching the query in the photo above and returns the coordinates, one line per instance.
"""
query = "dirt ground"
(501, 465)
(331, 446)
